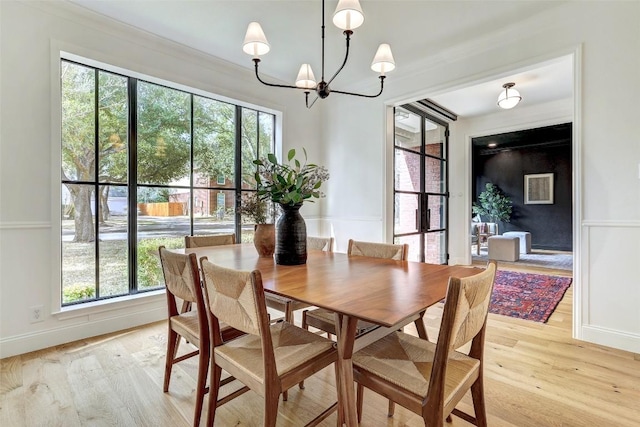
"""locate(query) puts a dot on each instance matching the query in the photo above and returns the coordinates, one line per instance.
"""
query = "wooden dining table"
(386, 292)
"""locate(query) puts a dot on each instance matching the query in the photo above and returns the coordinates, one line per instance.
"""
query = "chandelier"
(348, 16)
(509, 97)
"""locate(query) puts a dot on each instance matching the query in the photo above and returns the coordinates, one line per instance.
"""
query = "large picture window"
(143, 165)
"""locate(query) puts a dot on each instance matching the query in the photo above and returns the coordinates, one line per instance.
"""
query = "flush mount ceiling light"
(348, 16)
(509, 97)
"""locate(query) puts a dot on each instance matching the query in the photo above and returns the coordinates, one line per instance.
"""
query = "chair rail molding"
(611, 223)
(24, 225)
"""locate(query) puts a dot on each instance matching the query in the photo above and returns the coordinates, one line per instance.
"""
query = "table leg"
(422, 330)
(346, 335)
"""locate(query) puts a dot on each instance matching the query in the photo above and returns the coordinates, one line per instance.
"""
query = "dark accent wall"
(542, 150)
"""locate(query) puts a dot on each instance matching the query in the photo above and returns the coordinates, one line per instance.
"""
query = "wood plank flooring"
(536, 375)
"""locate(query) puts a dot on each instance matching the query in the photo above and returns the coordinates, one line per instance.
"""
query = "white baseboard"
(611, 338)
(26, 343)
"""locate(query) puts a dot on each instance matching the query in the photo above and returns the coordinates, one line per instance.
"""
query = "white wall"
(31, 36)
(605, 37)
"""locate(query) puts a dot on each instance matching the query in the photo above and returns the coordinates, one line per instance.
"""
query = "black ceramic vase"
(291, 237)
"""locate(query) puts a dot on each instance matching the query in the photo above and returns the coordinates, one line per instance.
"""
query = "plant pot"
(264, 239)
(291, 237)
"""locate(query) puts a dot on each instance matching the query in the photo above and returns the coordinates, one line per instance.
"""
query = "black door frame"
(423, 213)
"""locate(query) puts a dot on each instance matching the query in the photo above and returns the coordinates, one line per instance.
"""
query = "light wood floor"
(535, 375)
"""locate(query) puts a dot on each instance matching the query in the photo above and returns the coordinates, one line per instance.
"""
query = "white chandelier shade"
(255, 42)
(306, 79)
(348, 15)
(509, 97)
(383, 61)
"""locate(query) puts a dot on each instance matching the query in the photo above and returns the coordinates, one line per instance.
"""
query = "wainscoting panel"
(27, 257)
(610, 284)
(369, 229)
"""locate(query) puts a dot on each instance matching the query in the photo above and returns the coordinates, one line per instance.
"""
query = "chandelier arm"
(361, 94)
(306, 100)
(346, 56)
(256, 61)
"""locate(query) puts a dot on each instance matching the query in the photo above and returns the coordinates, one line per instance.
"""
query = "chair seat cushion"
(406, 361)
(292, 347)
(321, 318)
(186, 324)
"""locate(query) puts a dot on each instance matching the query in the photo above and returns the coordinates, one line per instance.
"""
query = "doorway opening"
(533, 168)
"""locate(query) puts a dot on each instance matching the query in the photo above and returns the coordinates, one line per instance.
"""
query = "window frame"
(139, 296)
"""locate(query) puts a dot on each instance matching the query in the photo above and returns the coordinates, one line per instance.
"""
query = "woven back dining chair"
(287, 305)
(212, 240)
(430, 379)
(191, 242)
(324, 319)
(320, 243)
(182, 281)
(270, 358)
(378, 250)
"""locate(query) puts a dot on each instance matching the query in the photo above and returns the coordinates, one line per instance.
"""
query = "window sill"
(111, 304)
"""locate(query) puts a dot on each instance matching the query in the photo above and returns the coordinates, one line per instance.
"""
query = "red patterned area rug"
(527, 296)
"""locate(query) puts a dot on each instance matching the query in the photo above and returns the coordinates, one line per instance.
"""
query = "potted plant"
(290, 185)
(254, 209)
(492, 203)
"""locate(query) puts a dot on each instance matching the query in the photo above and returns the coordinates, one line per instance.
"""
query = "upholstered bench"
(525, 240)
(504, 248)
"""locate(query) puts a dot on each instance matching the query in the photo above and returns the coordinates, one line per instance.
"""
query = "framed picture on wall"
(538, 189)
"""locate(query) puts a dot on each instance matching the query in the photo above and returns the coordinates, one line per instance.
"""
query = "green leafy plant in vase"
(290, 184)
(493, 204)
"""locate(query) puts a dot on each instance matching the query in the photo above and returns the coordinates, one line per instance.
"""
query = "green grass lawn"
(79, 269)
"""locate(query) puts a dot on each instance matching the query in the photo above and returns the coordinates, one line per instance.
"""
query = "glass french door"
(421, 185)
